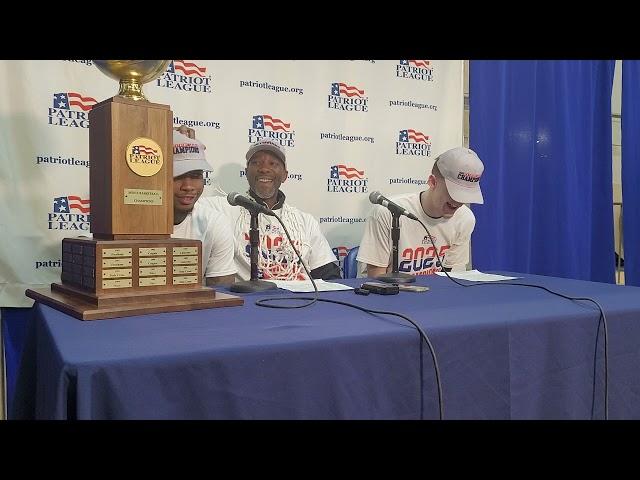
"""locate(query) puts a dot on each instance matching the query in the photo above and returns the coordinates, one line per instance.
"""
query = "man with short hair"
(454, 181)
(196, 221)
(266, 170)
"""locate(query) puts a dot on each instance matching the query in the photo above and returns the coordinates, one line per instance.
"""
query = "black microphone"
(235, 199)
(377, 197)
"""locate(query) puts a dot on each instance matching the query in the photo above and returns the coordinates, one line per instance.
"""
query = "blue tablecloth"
(505, 352)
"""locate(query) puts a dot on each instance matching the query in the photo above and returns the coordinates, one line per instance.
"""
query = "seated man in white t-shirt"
(196, 221)
(454, 181)
(266, 170)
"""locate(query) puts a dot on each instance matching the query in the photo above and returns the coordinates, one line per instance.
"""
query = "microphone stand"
(395, 276)
(254, 284)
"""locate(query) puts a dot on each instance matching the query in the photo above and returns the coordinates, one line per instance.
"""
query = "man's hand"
(183, 129)
(373, 271)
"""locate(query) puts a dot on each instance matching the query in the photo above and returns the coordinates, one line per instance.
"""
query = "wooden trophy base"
(61, 298)
(118, 278)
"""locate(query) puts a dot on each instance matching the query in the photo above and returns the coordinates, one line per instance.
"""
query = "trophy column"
(131, 266)
(131, 175)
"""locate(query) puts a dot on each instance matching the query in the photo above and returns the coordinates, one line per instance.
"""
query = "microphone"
(253, 284)
(377, 197)
(235, 199)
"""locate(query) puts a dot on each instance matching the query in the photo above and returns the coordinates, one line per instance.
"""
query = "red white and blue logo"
(144, 150)
(71, 109)
(347, 97)
(346, 179)
(340, 253)
(412, 142)
(71, 203)
(343, 171)
(415, 69)
(70, 212)
(268, 126)
(185, 76)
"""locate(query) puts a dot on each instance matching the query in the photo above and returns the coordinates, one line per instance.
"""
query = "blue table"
(505, 352)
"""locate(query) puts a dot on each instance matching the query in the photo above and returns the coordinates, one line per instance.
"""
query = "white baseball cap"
(269, 146)
(462, 168)
(188, 155)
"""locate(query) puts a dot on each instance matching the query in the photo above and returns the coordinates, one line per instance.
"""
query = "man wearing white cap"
(454, 181)
(195, 221)
(266, 170)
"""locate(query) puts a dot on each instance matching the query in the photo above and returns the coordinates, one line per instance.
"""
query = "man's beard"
(264, 196)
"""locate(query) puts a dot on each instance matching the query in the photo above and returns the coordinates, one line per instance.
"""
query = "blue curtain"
(631, 170)
(543, 131)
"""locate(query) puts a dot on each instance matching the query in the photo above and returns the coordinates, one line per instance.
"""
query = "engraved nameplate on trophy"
(152, 281)
(185, 279)
(190, 259)
(182, 269)
(152, 252)
(151, 261)
(120, 283)
(185, 251)
(116, 262)
(152, 271)
(117, 273)
(142, 197)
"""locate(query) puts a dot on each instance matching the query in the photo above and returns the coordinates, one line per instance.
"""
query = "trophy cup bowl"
(132, 74)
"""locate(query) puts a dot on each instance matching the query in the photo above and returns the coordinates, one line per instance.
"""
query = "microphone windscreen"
(231, 198)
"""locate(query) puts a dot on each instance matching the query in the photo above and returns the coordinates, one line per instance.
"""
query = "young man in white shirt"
(454, 181)
(266, 170)
(196, 221)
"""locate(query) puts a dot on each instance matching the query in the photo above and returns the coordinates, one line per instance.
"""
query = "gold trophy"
(132, 74)
(131, 266)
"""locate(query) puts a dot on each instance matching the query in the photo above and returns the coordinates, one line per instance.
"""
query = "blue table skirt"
(505, 352)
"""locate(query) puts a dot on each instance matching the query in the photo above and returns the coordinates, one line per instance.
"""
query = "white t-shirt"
(276, 259)
(211, 228)
(416, 254)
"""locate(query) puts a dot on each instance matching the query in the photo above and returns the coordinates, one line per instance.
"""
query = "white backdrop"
(383, 120)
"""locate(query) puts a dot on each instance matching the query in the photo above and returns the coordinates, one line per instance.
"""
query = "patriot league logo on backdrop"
(69, 212)
(347, 97)
(413, 142)
(346, 179)
(71, 109)
(185, 76)
(266, 126)
(415, 69)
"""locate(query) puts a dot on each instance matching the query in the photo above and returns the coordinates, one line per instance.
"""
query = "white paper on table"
(306, 286)
(476, 276)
